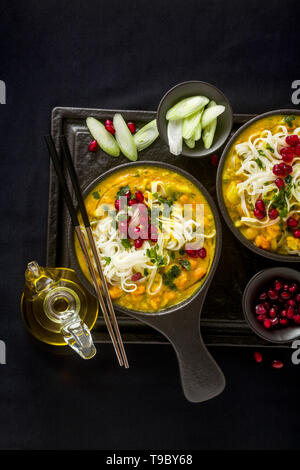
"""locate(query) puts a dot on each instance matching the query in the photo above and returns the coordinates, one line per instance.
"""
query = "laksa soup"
(155, 233)
(261, 184)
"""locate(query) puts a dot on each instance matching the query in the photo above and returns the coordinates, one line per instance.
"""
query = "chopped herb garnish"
(172, 254)
(107, 259)
(168, 278)
(261, 153)
(268, 147)
(259, 163)
(146, 272)
(96, 195)
(288, 179)
(185, 264)
(289, 120)
(181, 252)
(122, 191)
(155, 258)
(126, 243)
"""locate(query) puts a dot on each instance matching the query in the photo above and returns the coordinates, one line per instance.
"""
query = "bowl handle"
(201, 377)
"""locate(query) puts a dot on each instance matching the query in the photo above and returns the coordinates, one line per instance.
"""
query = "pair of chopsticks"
(110, 318)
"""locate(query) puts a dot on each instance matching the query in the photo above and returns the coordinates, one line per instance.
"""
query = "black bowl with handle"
(201, 377)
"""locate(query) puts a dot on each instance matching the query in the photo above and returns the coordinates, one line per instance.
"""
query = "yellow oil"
(48, 297)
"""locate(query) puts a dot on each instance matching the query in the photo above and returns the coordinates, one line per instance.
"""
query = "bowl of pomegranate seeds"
(271, 304)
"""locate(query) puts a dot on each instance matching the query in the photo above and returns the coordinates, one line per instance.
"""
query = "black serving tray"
(222, 322)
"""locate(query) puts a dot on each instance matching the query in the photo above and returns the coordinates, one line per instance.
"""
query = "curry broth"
(187, 283)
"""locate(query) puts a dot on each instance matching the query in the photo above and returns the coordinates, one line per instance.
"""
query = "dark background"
(127, 54)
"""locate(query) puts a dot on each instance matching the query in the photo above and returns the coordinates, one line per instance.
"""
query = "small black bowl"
(184, 90)
(254, 286)
(222, 206)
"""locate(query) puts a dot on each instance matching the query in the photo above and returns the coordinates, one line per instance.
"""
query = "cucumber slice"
(209, 131)
(211, 113)
(105, 140)
(186, 107)
(190, 143)
(124, 138)
(146, 135)
(175, 136)
(198, 129)
(189, 125)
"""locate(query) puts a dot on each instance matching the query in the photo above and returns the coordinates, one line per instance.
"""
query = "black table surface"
(126, 55)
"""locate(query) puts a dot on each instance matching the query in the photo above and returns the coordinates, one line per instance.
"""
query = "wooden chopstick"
(69, 162)
(81, 239)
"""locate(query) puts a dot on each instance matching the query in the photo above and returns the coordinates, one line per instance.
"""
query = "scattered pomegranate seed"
(128, 194)
(108, 122)
(117, 204)
(296, 234)
(293, 288)
(259, 214)
(260, 205)
(110, 129)
(263, 296)
(258, 356)
(273, 213)
(287, 154)
(292, 140)
(274, 321)
(139, 196)
(297, 319)
(285, 295)
(290, 313)
(291, 222)
(267, 323)
(260, 317)
(215, 159)
(283, 322)
(260, 309)
(279, 183)
(138, 243)
(287, 168)
(202, 253)
(277, 170)
(131, 126)
(93, 147)
(298, 298)
(136, 276)
(277, 364)
(272, 294)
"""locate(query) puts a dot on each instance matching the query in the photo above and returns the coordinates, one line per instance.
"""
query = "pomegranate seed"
(132, 127)
(260, 309)
(273, 312)
(139, 196)
(285, 295)
(287, 154)
(132, 202)
(261, 317)
(279, 183)
(293, 288)
(274, 321)
(298, 298)
(277, 364)
(272, 294)
(292, 140)
(260, 205)
(138, 243)
(283, 313)
(267, 323)
(202, 253)
(214, 159)
(296, 234)
(297, 150)
(283, 322)
(287, 168)
(108, 122)
(290, 312)
(297, 319)
(291, 303)
(110, 129)
(93, 147)
(136, 229)
(266, 305)
(136, 276)
(117, 204)
(277, 285)
(273, 213)
(258, 214)
(263, 296)
(278, 171)
(286, 287)
(128, 194)
(258, 356)
(291, 222)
